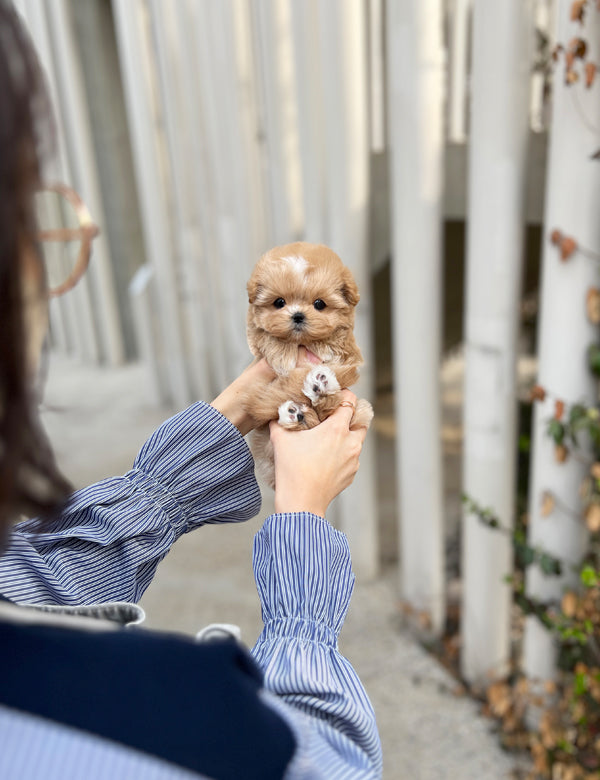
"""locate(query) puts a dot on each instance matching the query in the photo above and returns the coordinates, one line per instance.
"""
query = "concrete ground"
(97, 420)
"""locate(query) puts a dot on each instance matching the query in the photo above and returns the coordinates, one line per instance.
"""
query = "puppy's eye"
(319, 304)
(279, 303)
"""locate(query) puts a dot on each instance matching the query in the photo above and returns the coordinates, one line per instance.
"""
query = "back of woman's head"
(29, 481)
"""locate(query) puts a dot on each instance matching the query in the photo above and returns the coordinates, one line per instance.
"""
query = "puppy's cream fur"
(301, 294)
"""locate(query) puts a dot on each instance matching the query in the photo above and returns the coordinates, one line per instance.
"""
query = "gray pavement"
(98, 418)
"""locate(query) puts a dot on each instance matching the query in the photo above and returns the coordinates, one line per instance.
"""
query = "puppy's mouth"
(298, 324)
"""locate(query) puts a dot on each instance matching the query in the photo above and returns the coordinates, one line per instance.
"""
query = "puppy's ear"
(349, 289)
(254, 288)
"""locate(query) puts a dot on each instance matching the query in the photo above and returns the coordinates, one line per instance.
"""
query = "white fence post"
(73, 314)
(274, 64)
(342, 40)
(131, 22)
(458, 69)
(234, 187)
(564, 330)
(497, 181)
(172, 63)
(311, 118)
(415, 107)
(74, 110)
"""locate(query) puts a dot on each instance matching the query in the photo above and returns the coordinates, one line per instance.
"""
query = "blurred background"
(435, 145)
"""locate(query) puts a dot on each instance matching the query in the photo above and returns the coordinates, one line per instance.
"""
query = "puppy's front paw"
(291, 414)
(320, 381)
(363, 415)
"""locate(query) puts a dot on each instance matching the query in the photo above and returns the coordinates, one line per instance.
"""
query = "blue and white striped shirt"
(105, 547)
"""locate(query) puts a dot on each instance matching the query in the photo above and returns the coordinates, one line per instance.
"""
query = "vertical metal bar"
(416, 118)
(342, 38)
(376, 75)
(83, 164)
(170, 53)
(565, 332)
(499, 136)
(311, 118)
(458, 70)
(75, 310)
(131, 23)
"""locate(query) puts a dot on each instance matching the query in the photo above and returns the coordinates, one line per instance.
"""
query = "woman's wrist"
(290, 504)
(231, 402)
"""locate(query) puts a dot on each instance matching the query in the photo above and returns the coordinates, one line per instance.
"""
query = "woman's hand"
(312, 467)
(252, 381)
(230, 402)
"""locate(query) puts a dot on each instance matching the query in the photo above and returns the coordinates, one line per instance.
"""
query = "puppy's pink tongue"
(311, 357)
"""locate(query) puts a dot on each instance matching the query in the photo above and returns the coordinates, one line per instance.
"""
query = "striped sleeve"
(303, 574)
(105, 546)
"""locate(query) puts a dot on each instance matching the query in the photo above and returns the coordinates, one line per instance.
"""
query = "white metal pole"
(75, 114)
(415, 109)
(142, 294)
(75, 309)
(342, 35)
(458, 68)
(272, 70)
(172, 64)
(204, 265)
(307, 59)
(497, 184)
(222, 70)
(573, 192)
(131, 26)
(376, 76)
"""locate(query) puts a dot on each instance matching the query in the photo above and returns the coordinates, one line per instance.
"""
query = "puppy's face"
(301, 293)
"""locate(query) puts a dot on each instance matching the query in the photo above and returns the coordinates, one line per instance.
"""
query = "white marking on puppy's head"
(297, 263)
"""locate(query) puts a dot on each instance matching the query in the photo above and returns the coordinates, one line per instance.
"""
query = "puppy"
(301, 294)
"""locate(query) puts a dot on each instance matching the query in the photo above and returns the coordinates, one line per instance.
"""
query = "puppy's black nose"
(298, 317)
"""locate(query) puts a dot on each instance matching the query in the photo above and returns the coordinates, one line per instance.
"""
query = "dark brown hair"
(30, 482)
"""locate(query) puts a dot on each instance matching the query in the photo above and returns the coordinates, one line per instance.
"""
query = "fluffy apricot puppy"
(302, 294)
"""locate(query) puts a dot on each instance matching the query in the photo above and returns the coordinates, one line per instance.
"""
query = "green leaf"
(589, 577)
(525, 554)
(594, 359)
(556, 430)
(579, 684)
(550, 565)
(577, 413)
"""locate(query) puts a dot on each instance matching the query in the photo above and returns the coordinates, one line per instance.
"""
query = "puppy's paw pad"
(363, 414)
(320, 381)
(291, 414)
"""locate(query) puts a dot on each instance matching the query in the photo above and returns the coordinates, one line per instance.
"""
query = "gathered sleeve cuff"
(304, 579)
(107, 542)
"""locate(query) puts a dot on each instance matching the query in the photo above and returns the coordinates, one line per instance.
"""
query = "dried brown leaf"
(579, 47)
(569, 604)
(592, 305)
(578, 10)
(568, 246)
(561, 453)
(592, 517)
(590, 73)
(537, 393)
(499, 696)
(548, 503)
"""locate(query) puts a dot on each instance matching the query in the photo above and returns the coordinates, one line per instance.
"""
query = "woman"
(82, 696)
